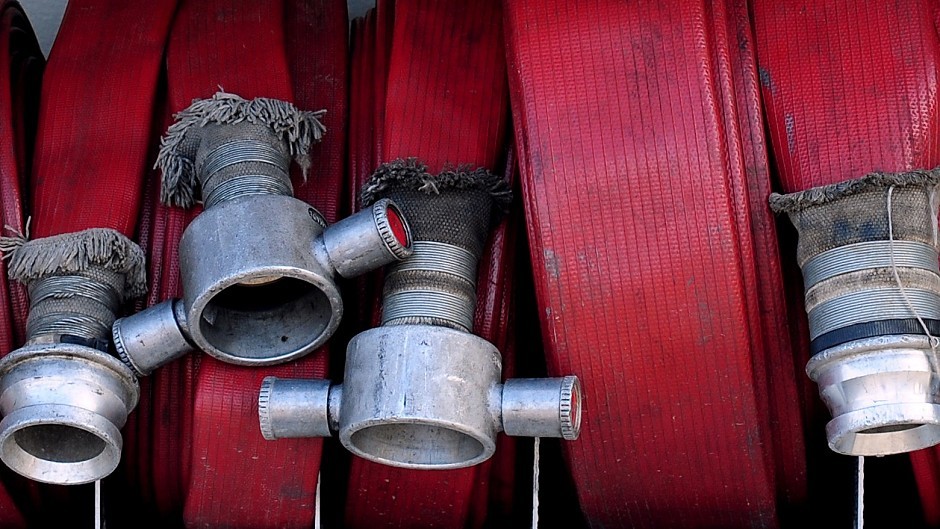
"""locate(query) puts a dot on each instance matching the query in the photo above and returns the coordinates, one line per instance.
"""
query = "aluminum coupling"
(63, 406)
(63, 398)
(869, 256)
(259, 282)
(423, 397)
(258, 266)
(421, 391)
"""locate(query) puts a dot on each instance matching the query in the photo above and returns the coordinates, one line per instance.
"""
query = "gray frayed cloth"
(176, 158)
(412, 174)
(816, 196)
(77, 253)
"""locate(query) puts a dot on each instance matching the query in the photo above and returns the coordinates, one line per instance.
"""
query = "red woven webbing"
(855, 93)
(21, 68)
(21, 64)
(235, 478)
(444, 101)
(643, 175)
(95, 115)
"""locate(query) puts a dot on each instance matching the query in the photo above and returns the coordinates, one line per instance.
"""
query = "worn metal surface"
(882, 395)
(365, 241)
(152, 337)
(294, 408)
(252, 294)
(869, 254)
(63, 406)
(422, 397)
(542, 407)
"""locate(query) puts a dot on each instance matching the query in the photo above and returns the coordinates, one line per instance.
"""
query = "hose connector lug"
(153, 337)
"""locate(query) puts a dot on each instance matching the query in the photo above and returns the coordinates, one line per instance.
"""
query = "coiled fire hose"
(639, 147)
(227, 469)
(400, 78)
(64, 397)
(21, 64)
(855, 125)
(425, 315)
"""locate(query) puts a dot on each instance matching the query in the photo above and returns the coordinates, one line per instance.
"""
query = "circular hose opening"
(59, 443)
(891, 429)
(885, 429)
(397, 225)
(415, 445)
(263, 320)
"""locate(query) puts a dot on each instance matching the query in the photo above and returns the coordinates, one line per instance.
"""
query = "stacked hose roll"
(21, 64)
(838, 110)
(80, 266)
(641, 163)
(227, 475)
(409, 103)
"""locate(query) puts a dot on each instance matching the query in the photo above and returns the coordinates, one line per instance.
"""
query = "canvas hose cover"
(21, 64)
(199, 453)
(840, 109)
(644, 179)
(90, 158)
(429, 78)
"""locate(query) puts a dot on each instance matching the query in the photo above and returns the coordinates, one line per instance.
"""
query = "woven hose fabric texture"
(854, 94)
(644, 179)
(21, 65)
(91, 150)
(206, 461)
(428, 82)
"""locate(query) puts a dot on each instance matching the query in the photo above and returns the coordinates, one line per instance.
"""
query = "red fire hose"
(21, 63)
(644, 179)
(228, 474)
(175, 467)
(856, 93)
(429, 82)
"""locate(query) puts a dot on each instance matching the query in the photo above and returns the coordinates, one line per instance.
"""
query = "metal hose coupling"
(421, 391)
(258, 266)
(868, 252)
(63, 397)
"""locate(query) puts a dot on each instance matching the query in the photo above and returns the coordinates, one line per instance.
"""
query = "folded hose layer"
(641, 161)
(21, 65)
(446, 113)
(853, 117)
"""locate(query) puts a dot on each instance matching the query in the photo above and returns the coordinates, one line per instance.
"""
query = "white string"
(932, 358)
(535, 484)
(316, 508)
(860, 494)
(98, 522)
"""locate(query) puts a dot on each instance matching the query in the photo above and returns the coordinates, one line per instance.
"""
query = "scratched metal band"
(440, 257)
(869, 254)
(71, 305)
(250, 184)
(242, 151)
(871, 305)
(411, 306)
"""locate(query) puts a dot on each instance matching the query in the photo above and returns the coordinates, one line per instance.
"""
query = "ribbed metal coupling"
(63, 406)
(881, 392)
(259, 281)
(868, 252)
(243, 167)
(446, 417)
(856, 283)
(448, 299)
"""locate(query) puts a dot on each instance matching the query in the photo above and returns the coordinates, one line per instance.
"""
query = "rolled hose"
(838, 110)
(644, 181)
(219, 470)
(21, 64)
(403, 88)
